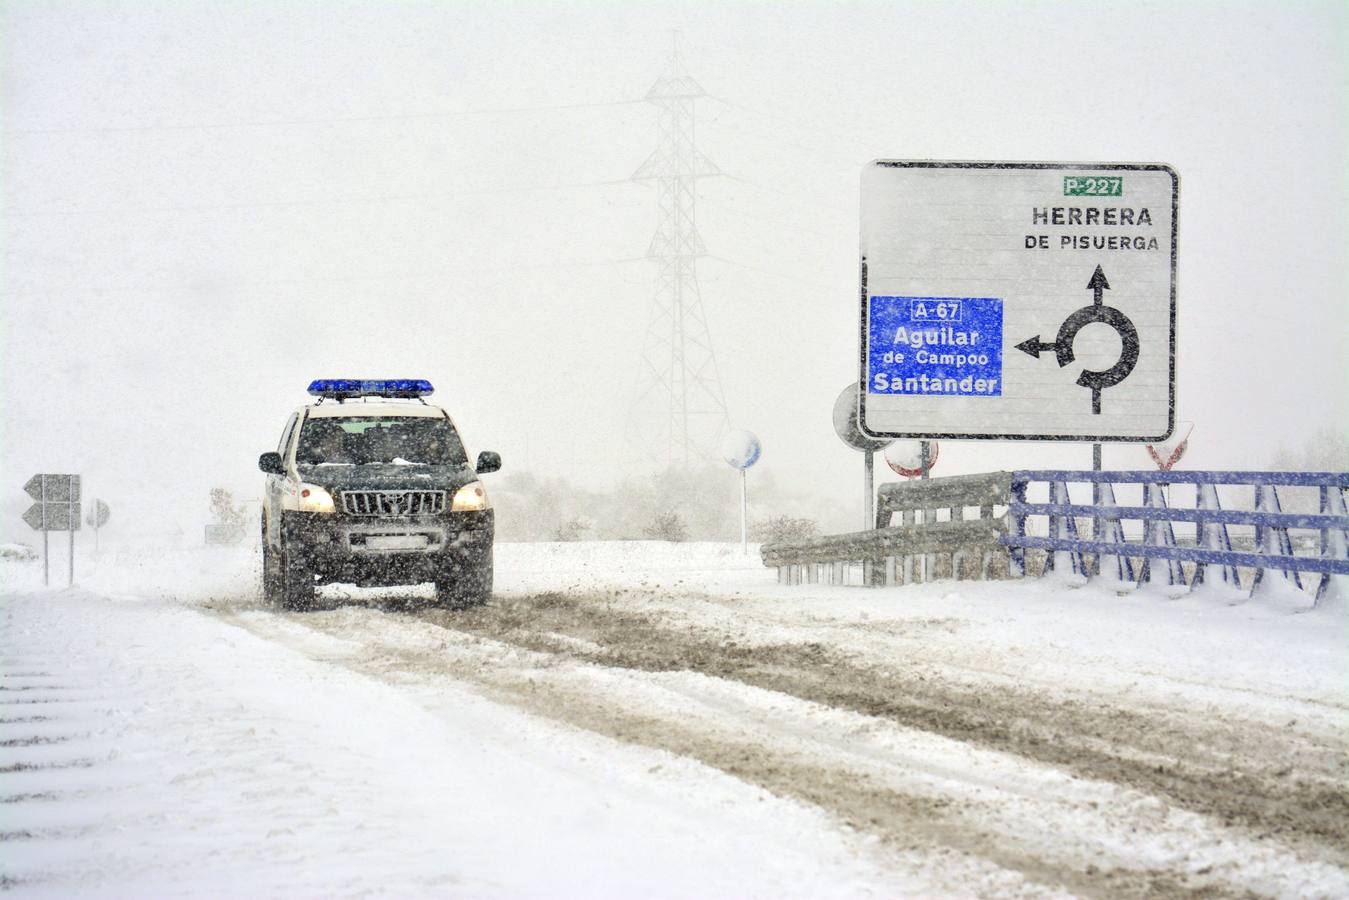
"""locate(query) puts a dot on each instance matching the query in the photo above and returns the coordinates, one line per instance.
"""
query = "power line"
(315, 120)
(778, 224)
(797, 200)
(835, 159)
(496, 273)
(832, 150)
(281, 204)
(785, 275)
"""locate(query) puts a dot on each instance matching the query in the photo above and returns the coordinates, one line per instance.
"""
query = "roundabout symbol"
(1063, 341)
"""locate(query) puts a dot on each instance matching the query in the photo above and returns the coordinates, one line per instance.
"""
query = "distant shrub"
(667, 526)
(574, 529)
(223, 509)
(17, 551)
(782, 528)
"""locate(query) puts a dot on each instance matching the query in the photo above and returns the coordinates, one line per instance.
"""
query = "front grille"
(393, 503)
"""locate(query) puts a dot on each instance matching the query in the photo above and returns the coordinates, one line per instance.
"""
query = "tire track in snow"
(1264, 777)
(1116, 746)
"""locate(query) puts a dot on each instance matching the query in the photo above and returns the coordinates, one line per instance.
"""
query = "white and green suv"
(371, 485)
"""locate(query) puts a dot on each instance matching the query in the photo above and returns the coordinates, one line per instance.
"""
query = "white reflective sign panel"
(1024, 301)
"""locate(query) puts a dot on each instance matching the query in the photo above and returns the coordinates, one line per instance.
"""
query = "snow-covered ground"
(648, 719)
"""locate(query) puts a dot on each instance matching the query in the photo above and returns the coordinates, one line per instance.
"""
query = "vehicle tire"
(297, 583)
(271, 570)
(465, 587)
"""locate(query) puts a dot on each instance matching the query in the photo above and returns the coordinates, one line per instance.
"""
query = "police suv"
(371, 485)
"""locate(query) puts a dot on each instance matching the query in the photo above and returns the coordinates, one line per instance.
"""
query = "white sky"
(207, 205)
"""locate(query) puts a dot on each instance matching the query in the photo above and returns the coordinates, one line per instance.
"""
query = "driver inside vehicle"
(324, 445)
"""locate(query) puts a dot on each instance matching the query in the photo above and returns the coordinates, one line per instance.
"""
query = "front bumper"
(367, 551)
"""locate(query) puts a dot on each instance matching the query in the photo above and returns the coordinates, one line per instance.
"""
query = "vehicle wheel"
(465, 587)
(271, 571)
(297, 583)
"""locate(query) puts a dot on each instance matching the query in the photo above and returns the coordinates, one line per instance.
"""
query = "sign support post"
(73, 517)
(744, 515)
(869, 487)
(1097, 524)
(46, 554)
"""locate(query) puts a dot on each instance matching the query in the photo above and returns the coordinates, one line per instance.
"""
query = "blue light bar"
(342, 388)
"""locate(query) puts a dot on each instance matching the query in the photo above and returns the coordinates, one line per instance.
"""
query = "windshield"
(389, 440)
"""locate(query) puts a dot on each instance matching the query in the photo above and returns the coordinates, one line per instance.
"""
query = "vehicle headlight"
(313, 498)
(470, 498)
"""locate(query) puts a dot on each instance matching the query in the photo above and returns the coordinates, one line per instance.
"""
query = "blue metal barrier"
(1212, 553)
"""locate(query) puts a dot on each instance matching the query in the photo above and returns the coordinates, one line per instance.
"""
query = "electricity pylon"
(680, 410)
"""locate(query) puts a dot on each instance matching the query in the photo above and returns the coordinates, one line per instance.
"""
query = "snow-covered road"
(663, 720)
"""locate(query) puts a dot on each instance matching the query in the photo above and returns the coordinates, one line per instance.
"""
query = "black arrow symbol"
(1063, 343)
(1097, 285)
(1034, 346)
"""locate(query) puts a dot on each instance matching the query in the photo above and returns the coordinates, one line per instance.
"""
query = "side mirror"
(271, 464)
(488, 462)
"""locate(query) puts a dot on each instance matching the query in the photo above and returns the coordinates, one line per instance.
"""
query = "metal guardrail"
(907, 552)
(895, 554)
(954, 493)
(1212, 555)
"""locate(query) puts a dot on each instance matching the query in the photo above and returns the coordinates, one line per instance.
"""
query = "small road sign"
(964, 263)
(98, 515)
(1168, 453)
(845, 423)
(741, 449)
(908, 458)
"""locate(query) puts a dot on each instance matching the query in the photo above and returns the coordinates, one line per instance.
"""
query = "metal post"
(1016, 558)
(744, 509)
(927, 562)
(910, 518)
(46, 555)
(868, 505)
(1097, 523)
(73, 512)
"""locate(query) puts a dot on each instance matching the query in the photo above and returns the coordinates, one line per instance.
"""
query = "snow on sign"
(1018, 301)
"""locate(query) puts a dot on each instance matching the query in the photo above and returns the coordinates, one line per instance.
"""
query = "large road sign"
(1021, 301)
(53, 516)
(58, 502)
(53, 488)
